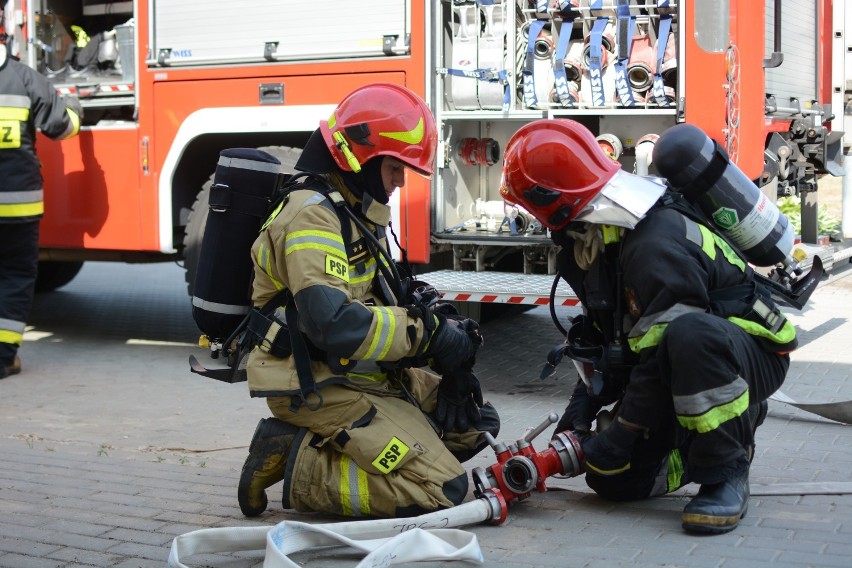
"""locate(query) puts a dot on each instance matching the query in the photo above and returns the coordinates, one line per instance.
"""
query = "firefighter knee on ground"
(679, 337)
(339, 331)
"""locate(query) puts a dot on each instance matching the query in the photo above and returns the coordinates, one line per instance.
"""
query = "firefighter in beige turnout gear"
(367, 433)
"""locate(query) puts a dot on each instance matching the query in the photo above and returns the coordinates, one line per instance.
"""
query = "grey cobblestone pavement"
(111, 448)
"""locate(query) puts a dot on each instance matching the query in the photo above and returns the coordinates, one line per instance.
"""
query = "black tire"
(53, 274)
(197, 220)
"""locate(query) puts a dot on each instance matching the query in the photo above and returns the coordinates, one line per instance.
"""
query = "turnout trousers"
(367, 451)
(18, 271)
(704, 361)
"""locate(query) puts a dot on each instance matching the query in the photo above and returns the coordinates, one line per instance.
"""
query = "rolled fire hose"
(573, 91)
(611, 145)
(386, 541)
(640, 76)
(607, 47)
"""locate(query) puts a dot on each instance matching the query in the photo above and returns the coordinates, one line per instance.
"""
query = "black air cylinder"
(243, 187)
(699, 168)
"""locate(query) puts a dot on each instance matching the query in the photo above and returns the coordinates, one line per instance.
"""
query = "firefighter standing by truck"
(674, 329)
(27, 102)
(357, 430)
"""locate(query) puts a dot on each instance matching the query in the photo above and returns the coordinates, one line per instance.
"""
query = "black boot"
(265, 464)
(718, 507)
(12, 369)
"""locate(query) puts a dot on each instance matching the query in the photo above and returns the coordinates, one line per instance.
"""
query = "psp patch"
(390, 457)
(337, 267)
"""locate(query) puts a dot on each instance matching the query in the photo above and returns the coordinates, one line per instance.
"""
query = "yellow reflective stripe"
(264, 258)
(785, 335)
(353, 492)
(413, 136)
(343, 489)
(15, 113)
(651, 338)
(273, 215)
(729, 253)
(12, 337)
(711, 419)
(709, 242)
(22, 209)
(675, 471)
(363, 492)
(383, 336)
(317, 240)
(377, 377)
(370, 271)
(75, 123)
(607, 471)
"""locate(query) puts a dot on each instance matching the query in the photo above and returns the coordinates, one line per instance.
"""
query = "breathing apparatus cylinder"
(243, 186)
(699, 168)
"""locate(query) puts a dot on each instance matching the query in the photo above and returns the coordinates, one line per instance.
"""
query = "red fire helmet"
(553, 168)
(382, 119)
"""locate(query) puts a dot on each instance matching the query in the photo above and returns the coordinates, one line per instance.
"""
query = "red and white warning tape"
(533, 300)
(92, 90)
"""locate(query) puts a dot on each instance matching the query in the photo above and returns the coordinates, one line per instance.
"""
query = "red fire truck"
(173, 82)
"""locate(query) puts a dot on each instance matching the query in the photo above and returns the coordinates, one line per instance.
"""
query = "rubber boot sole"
(711, 524)
(253, 504)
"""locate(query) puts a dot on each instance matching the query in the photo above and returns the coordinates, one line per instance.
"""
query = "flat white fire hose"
(386, 542)
(838, 411)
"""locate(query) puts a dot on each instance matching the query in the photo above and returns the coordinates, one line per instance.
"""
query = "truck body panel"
(181, 80)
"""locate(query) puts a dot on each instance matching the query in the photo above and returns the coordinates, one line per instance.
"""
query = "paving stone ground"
(111, 448)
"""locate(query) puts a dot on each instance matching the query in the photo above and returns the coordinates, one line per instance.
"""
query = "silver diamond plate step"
(499, 287)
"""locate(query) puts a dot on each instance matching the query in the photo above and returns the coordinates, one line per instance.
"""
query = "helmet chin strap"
(371, 176)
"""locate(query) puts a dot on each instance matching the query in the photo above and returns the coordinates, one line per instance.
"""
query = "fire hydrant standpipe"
(519, 469)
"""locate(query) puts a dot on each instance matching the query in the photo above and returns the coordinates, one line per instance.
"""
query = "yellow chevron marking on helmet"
(413, 136)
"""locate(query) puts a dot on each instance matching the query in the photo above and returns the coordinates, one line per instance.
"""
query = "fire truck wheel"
(197, 220)
(194, 233)
(53, 274)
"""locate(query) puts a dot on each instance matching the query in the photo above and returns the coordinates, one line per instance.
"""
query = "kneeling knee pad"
(456, 489)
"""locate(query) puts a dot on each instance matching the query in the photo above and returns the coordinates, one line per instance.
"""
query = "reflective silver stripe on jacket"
(12, 325)
(704, 401)
(14, 197)
(20, 101)
(645, 323)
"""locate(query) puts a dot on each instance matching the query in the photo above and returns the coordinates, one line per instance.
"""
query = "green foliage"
(792, 207)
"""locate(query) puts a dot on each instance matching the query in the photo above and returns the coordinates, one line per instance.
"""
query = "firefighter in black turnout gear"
(27, 102)
(675, 331)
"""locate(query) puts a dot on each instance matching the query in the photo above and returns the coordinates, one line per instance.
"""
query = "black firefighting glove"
(447, 310)
(459, 400)
(453, 343)
(608, 453)
(581, 410)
